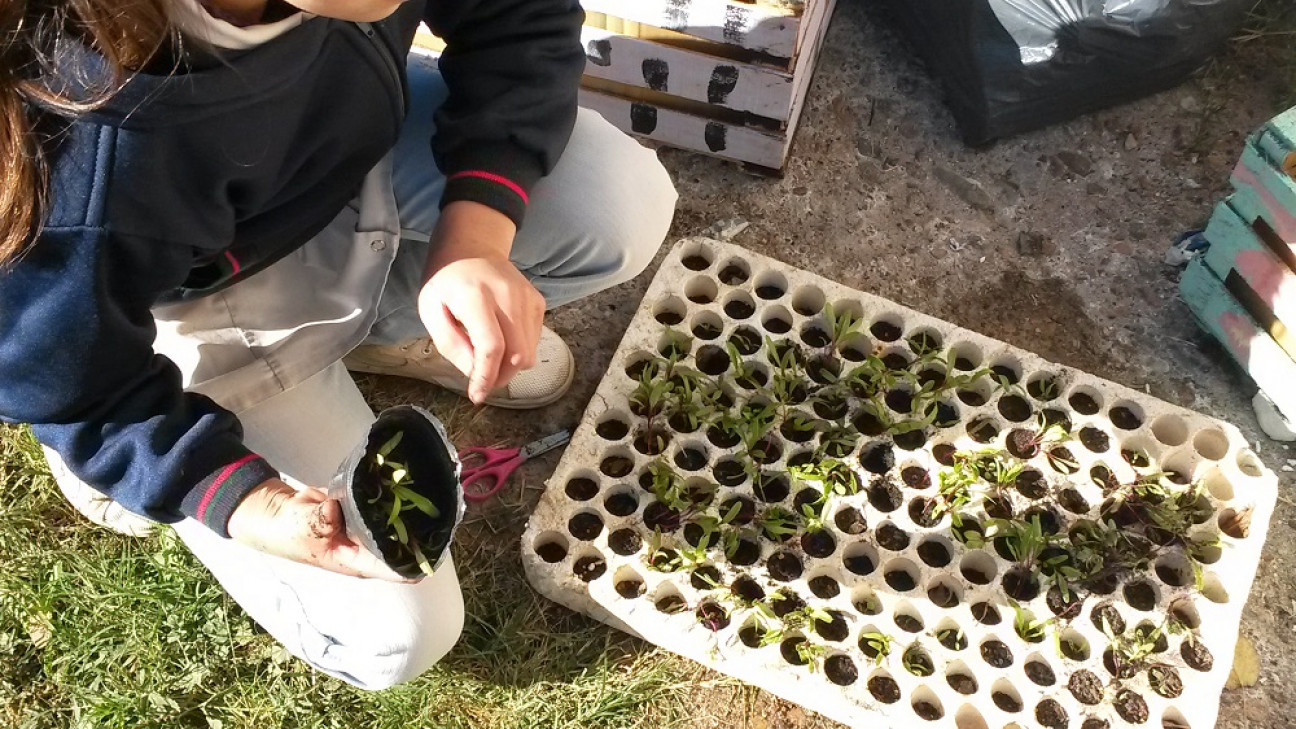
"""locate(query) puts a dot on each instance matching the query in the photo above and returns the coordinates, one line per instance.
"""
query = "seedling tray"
(1004, 541)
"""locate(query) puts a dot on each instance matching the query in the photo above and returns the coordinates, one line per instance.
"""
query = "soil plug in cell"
(803, 485)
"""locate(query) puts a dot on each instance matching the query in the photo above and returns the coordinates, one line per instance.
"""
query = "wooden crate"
(723, 78)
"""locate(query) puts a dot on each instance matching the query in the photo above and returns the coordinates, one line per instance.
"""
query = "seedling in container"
(396, 482)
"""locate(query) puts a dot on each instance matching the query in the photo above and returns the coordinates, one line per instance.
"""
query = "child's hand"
(482, 313)
(303, 526)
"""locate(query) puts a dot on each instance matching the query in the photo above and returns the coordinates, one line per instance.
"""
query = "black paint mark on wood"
(736, 22)
(677, 12)
(715, 136)
(643, 118)
(723, 81)
(656, 73)
(599, 52)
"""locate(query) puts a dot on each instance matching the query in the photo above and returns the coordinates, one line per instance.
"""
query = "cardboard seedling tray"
(956, 656)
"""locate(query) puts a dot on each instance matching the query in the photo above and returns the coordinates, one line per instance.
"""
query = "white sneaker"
(538, 386)
(93, 505)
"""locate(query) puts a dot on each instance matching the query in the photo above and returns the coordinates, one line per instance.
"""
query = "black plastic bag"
(1009, 66)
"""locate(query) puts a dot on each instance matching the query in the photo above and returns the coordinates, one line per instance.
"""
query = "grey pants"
(596, 221)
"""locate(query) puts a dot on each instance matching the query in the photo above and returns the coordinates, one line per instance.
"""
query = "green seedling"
(1132, 650)
(1029, 628)
(396, 485)
(811, 653)
(841, 324)
(778, 523)
(916, 661)
(812, 518)
(876, 644)
(832, 476)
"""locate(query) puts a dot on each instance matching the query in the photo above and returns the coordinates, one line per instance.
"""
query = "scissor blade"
(544, 445)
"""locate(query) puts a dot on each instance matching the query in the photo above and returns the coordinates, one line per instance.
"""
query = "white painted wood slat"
(688, 74)
(765, 28)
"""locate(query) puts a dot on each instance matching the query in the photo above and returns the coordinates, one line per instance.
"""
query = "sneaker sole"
(504, 403)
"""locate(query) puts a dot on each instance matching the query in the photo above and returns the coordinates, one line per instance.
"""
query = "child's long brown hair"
(126, 32)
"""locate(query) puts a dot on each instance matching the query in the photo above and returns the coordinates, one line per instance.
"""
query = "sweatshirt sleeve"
(76, 353)
(513, 68)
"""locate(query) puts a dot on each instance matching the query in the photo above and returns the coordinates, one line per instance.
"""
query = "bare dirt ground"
(1052, 241)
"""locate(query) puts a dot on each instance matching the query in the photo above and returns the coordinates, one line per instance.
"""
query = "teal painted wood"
(1271, 185)
(1283, 128)
(1255, 202)
(1249, 345)
(1234, 245)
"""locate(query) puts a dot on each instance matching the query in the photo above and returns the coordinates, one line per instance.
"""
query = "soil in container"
(625, 542)
(878, 458)
(581, 489)
(1136, 458)
(824, 587)
(616, 466)
(1083, 403)
(1014, 408)
(1165, 680)
(739, 309)
(868, 424)
(690, 459)
(971, 398)
(784, 566)
(884, 689)
(729, 473)
(1051, 715)
(661, 517)
(746, 553)
(982, 431)
(824, 370)
(1020, 584)
(944, 455)
(682, 422)
(706, 331)
(721, 438)
(934, 554)
(910, 441)
(1094, 439)
(962, 683)
(695, 262)
(1062, 606)
(1124, 418)
(896, 361)
(1005, 372)
(1040, 674)
(1086, 687)
(622, 504)
(818, 544)
(952, 638)
(1050, 523)
(918, 662)
(705, 577)
(868, 605)
(927, 710)
(747, 589)
(751, 636)
(1131, 707)
(732, 275)
(1031, 484)
(1140, 596)
(612, 429)
(922, 512)
(915, 477)
(746, 340)
(999, 507)
(771, 488)
(590, 568)
(900, 401)
(816, 337)
(808, 497)
(849, 520)
(585, 526)
(986, 614)
(746, 510)
(630, 588)
(885, 331)
(835, 630)
(996, 653)
(885, 496)
(788, 648)
(551, 552)
(1196, 655)
(1072, 501)
(942, 595)
(786, 603)
(1094, 722)
(900, 580)
(712, 616)
(1006, 702)
(860, 564)
(909, 623)
(1061, 460)
(891, 537)
(670, 604)
(841, 670)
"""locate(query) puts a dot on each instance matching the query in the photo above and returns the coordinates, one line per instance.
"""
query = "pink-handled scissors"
(486, 469)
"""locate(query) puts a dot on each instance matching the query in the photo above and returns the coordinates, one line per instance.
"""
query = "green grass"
(102, 630)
